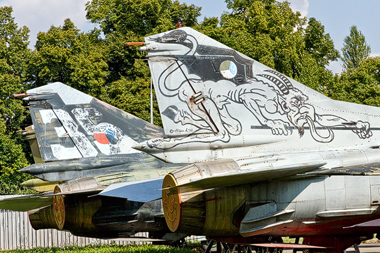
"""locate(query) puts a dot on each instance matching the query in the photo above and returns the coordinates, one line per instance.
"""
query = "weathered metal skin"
(80, 136)
(76, 209)
(102, 217)
(266, 149)
(86, 145)
(128, 217)
(222, 205)
(134, 127)
(304, 207)
(191, 218)
(79, 211)
(42, 218)
(89, 167)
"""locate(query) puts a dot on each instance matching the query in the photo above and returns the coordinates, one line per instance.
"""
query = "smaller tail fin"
(71, 124)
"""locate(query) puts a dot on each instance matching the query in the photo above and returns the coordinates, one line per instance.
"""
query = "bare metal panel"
(335, 199)
(358, 191)
(335, 193)
(375, 194)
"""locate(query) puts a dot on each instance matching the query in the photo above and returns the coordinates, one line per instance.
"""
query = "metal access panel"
(358, 190)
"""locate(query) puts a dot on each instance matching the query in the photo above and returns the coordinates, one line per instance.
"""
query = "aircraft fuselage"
(299, 207)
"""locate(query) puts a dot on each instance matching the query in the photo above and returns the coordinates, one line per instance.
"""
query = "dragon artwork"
(269, 96)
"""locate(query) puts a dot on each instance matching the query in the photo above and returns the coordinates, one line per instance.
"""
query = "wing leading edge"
(231, 174)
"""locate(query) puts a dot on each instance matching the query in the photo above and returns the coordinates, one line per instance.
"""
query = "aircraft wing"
(245, 177)
(27, 202)
(113, 169)
(30, 202)
(138, 191)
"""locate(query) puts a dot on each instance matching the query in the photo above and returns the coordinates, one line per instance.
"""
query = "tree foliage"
(361, 85)
(355, 49)
(13, 54)
(128, 80)
(67, 55)
(141, 17)
(271, 33)
(319, 44)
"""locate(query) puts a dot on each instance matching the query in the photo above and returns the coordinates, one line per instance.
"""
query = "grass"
(147, 248)
(109, 249)
(193, 243)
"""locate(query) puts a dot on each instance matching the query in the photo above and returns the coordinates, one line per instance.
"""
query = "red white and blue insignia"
(107, 137)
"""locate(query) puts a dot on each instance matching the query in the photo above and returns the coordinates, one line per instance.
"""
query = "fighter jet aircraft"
(268, 157)
(105, 188)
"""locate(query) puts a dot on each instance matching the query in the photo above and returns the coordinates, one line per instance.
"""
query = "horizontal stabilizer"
(251, 176)
(139, 191)
(27, 202)
(118, 169)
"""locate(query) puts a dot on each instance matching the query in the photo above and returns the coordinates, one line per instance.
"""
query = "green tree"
(133, 95)
(128, 80)
(67, 55)
(355, 49)
(14, 53)
(270, 32)
(360, 85)
(130, 20)
(267, 31)
(319, 44)
(141, 17)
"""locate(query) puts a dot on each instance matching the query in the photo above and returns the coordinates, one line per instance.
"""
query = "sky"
(336, 16)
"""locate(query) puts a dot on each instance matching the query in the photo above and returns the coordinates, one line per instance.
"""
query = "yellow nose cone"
(171, 201)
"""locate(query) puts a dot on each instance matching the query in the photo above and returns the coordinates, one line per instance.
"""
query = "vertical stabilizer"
(210, 94)
(70, 124)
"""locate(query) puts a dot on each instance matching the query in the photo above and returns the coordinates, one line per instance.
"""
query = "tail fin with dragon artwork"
(214, 98)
